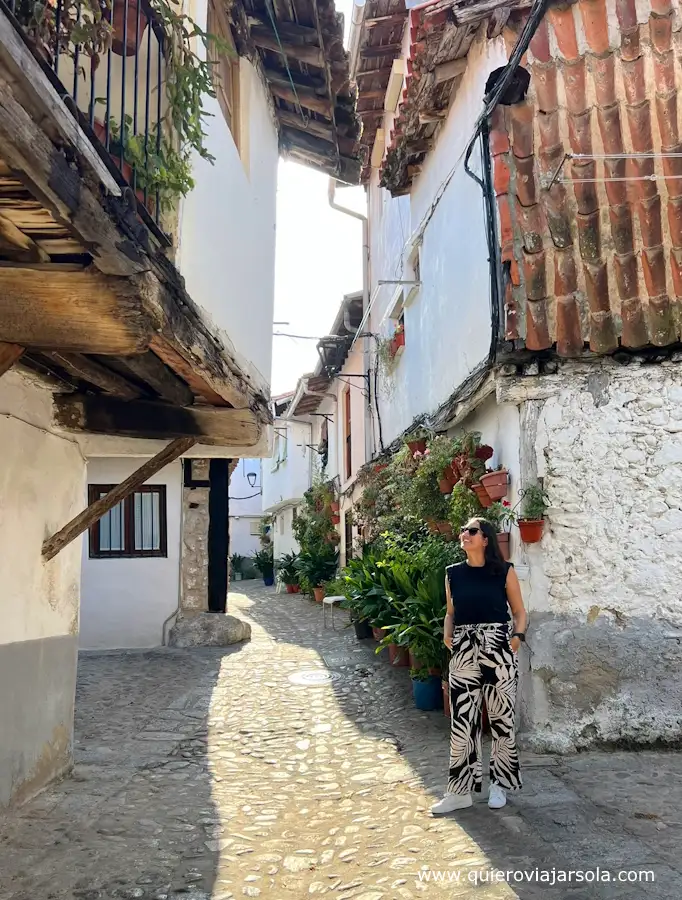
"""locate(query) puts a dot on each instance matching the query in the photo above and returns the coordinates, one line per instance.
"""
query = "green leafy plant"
(500, 514)
(236, 561)
(317, 566)
(287, 566)
(464, 505)
(534, 503)
(264, 562)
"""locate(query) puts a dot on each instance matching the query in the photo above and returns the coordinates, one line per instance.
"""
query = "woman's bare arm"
(449, 622)
(515, 600)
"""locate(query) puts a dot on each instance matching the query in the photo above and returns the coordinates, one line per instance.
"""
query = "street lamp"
(251, 478)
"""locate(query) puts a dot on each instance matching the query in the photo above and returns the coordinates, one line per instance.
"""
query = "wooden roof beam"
(9, 354)
(93, 372)
(381, 72)
(377, 52)
(14, 243)
(98, 414)
(313, 56)
(306, 98)
(289, 31)
(388, 21)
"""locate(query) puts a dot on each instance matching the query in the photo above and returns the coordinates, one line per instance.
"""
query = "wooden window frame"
(228, 99)
(129, 551)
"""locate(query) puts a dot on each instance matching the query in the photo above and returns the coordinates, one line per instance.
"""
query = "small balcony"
(109, 60)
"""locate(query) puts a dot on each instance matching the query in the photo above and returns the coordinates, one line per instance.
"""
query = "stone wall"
(194, 563)
(605, 593)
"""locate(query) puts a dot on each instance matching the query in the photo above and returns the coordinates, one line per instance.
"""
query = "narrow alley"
(295, 765)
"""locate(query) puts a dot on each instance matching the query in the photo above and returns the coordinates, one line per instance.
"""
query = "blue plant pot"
(268, 582)
(428, 695)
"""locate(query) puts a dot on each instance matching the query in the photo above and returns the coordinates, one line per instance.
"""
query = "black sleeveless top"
(478, 594)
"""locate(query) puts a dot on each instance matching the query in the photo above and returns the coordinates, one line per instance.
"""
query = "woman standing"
(483, 666)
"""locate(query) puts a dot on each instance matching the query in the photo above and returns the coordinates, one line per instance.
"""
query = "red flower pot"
(133, 40)
(296, 588)
(417, 447)
(399, 339)
(495, 484)
(380, 468)
(378, 633)
(336, 519)
(483, 496)
(531, 531)
(444, 486)
(445, 528)
(319, 593)
(398, 656)
(335, 506)
(503, 541)
(290, 589)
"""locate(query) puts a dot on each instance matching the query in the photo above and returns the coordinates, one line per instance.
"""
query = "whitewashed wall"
(41, 488)
(124, 602)
(227, 225)
(447, 324)
(287, 476)
(605, 588)
(246, 506)
(284, 541)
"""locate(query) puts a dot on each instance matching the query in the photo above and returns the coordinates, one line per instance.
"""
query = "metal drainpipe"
(365, 303)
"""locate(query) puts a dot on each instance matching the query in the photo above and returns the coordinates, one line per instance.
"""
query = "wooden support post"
(218, 533)
(9, 354)
(93, 513)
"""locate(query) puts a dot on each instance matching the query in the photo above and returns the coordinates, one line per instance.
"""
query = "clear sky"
(319, 259)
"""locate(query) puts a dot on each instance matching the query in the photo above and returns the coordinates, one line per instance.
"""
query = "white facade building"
(503, 351)
(246, 506)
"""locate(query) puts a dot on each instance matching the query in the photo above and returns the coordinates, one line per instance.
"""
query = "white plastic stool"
(330, 601)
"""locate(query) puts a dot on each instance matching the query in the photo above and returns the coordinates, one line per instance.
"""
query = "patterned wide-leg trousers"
(483, 667)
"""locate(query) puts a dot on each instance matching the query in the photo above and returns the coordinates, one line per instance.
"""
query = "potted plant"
(416, 440)
(502, 516)
(532, 517)
(236, 562)
(318, 565)
(265, 564)
(483, 496)
(133, 31)
(287, 568)
(496, 483)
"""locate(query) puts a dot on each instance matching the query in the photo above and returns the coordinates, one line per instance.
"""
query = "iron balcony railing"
(107, 58)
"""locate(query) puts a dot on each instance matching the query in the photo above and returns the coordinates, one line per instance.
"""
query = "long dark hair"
(493, 555)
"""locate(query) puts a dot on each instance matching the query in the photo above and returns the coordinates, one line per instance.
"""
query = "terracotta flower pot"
(445, 528)
(432, 526)
(495, 484)
(335, 507)
(133, 40)
(503, 541)
(380, 468)
(483, 496)
(336, 519)
(319, 593)
(296, 588)
(444, 486)
(417, 447)
(378, 633)
(290, 589)
(531, 531)
(398, 656)
(399, 338)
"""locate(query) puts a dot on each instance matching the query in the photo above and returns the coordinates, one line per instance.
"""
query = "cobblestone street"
(211, 775)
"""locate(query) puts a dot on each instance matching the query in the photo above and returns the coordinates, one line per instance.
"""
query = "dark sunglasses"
(473, 531)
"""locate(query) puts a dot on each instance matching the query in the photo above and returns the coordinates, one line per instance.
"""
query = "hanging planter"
(445, 486)
(531, 531)
(336, 519)
(503, 541)
(482, 494)
(416, 447)
(335, 507)
(133, 31)
(496, 484)
(445, 528)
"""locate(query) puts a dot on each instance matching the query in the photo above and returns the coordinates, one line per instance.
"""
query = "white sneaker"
(497, 796)
(450, 803)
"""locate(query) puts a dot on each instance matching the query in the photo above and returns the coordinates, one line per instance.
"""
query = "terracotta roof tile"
(661, 32)
(604, 76)
(525, 181)
(537, 327)
(563, 25)
(579, 244)
(535, 275)
(595, 25)
(634, 81)
(653, 268)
